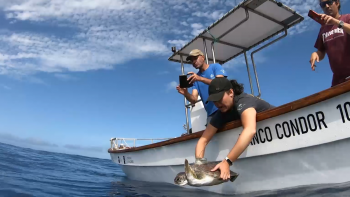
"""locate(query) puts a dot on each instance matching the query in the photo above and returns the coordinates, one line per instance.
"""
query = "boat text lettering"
(344, 111)
(286, 129)
(129, 160)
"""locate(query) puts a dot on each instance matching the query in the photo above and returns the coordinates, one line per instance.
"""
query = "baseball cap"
(217, 88)
(193, 53)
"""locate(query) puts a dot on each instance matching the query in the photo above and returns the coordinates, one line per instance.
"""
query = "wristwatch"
(228, 161)
(341, 24)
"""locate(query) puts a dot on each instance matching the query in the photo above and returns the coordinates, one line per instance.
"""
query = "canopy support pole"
(205, 51)
(213, 51)
(186, 108)
(252, 54)
(250, 78)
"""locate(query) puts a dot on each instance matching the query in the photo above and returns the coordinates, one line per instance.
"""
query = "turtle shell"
(202, 169)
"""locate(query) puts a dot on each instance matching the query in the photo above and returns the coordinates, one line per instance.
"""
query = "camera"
(183, 81)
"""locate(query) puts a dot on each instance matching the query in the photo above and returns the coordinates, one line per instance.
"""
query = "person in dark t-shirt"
(241, 102)
(233, 104)
(334, 40)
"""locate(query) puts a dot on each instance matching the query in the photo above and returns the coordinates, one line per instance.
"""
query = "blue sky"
(74, 73)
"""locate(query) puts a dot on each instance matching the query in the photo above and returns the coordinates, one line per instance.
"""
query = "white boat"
(299, 143)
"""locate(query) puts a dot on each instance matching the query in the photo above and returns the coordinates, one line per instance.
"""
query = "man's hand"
(181, 90)
(329, 20)
(224, 168)
(194, 77)
(314, 57)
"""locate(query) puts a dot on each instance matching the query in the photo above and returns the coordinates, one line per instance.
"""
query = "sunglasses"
(329, 3)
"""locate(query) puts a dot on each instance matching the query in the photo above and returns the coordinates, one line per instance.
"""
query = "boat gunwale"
(280, 110)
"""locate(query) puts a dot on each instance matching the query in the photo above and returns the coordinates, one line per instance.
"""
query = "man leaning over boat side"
(334, 39)
(233, 104)
(201, 81)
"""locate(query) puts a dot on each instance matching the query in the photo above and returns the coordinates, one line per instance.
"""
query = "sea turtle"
(200, 174)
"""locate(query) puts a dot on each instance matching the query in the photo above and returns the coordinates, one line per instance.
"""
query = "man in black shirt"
(233, 104)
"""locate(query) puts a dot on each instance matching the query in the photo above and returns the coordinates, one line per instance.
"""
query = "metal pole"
(186, 109)
(205, 51)
(134, 142)
(190, 104)
(213, 51)
(250, 79)
(256, 75)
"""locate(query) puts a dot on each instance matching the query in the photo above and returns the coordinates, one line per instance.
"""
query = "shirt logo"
(336, 32)
(240, 106)
(212, 76)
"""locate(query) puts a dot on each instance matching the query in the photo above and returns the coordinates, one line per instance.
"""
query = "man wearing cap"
(201, 81)
(233, 104)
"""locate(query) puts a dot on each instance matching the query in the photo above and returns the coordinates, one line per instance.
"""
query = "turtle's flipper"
(188, 170)
(233, 176)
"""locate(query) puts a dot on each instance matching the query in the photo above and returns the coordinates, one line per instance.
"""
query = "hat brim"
(189, 57)
(215, 97)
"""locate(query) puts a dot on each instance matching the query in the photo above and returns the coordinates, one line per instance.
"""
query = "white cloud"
(231, 3)
(184, 23)
(197, 28)
(178, 43)
(171, 86)
(212, 2)
(211, 15)
(43, 9)
(104, 33)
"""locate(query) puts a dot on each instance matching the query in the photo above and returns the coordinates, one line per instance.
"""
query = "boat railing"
(121, 143)
(190, 104)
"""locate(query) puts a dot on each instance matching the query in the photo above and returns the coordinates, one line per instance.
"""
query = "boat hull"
(301, 147)
(326, 163)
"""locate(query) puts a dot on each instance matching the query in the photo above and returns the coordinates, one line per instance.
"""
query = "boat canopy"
(247, 25)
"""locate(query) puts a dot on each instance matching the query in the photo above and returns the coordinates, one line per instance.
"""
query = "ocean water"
(25, 172)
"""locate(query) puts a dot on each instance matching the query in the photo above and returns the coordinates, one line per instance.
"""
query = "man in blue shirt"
(201, 81)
